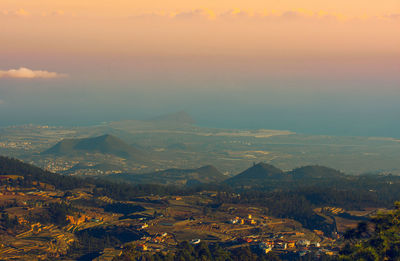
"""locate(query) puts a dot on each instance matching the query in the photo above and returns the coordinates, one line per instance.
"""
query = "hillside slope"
(105, 144)
(206, 174)
(258, 174)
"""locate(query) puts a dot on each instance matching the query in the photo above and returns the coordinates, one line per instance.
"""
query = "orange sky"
(118, 57)
(253, 28)
(127, 7)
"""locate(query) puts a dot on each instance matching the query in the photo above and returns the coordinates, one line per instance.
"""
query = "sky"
(312, 66)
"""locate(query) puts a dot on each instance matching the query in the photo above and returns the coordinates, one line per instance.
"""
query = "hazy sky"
(310, 65)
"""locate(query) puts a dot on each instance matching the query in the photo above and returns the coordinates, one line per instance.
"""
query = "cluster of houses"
(241, 221)
(280, 244)
(156, 242)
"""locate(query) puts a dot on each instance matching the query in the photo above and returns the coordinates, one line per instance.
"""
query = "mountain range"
(266, 175)
(259, 175)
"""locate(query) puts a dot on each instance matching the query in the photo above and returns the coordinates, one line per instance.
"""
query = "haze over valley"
(175, 141)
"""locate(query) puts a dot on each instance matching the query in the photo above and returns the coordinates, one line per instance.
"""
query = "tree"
(383, 244)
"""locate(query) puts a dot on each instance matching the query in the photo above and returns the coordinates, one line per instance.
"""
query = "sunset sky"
(125, 59)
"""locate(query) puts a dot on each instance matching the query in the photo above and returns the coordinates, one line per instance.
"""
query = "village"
(237, 226)
(153, 224)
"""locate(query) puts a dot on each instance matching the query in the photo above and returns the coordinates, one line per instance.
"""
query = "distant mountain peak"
(177, 117)
(109, 138)
(262, 169)
(265, 166)
(258, 173)
(104, 137)
(106, 144)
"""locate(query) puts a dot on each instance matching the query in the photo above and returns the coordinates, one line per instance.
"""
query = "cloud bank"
(271, 15)
(25, 73)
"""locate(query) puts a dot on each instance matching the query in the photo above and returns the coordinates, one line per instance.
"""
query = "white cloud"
(29, 74)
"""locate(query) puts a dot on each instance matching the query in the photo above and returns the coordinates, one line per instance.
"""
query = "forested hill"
(297, 202)
(118, 191)
(261, 172)
(9, 166)
(267, 177)
(203, 175)
(332, 188)
(261, 177)
(105, 144)
(315, 172)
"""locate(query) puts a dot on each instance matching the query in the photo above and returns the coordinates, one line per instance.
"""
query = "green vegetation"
(381, 244)
(31, 173)
(118, 191)
(8, 223)
(54, 213)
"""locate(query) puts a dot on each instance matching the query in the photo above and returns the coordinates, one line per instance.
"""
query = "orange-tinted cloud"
(21, 12)
(393, 16)
(243, 32)
(218, 14)
(26, 73)
(200, 12)
(270, 15)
